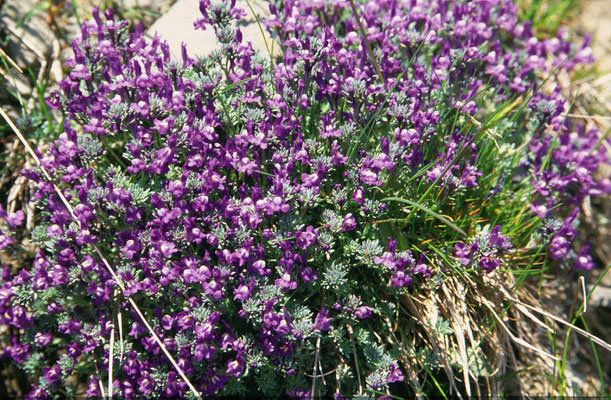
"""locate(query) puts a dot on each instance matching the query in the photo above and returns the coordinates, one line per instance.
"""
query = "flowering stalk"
(233, 193)
(116, 278)
(367, 44)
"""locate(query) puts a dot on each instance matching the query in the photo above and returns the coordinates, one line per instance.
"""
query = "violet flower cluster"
(243, 200)
(487, 250)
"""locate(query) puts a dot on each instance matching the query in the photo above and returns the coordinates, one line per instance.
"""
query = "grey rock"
(29, 38)
(29, 41)
(176, 27)
(601, 297)
(144, 4)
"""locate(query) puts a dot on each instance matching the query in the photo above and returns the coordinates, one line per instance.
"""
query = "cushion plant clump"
(266, 216)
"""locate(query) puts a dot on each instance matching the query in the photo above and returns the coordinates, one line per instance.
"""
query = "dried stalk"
(539, 310)
(111, 360)
(356, 361)
(315, 366)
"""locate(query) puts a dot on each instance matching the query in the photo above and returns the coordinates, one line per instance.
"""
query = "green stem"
(440, 217)
(367, 44)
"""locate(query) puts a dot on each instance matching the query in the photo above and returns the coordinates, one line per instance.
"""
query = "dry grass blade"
(430, 312)
(322, 374)
(589, 116)
(314, 376)
(100, 383)
(114, 275)
(459, 328)
(356, 361)
(582, 280)
(472, 327)
(516, 339)
(10, 60)
(410, 371)
(258, 21)
(409, 363)
(111, 359)
(16, 190)
(536, 320)
(120, 322)
(602, 80)
(367, 43)
(539, 310)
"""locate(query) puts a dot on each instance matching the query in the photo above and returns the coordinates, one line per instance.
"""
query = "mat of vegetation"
(239, 224)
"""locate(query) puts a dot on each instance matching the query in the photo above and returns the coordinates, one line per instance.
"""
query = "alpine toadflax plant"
(267, 215)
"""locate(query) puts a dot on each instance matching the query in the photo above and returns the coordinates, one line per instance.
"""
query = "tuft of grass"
(548, 15)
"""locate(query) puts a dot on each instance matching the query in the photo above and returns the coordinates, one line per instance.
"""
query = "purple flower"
(469, 176)
(243, 291)
(37, 394)
(489, 263)
(498, 240)
(394, 373)
(349, 223)
(285, 282)
(52, 375)
(322, 322)
(166, 322)
(19, 353)
(307, 238)
(167, 249)
(258, 267)
(584, 260)
(563, 238)
(235, 367)
(463, 252)
(5, 240)
(15, 219)
(146, 385)
(358, 196)
(221, 168)
(370, 177)
(407, 137)
(298, 394)
(74, 350)
(421, 267)
(388, 258)
(308, 275)
(363, 312)
(310, 180)
(136, 330)
(19, 317)
(400, 279)
(184, 320)
(540, 210)
(93, 388)
(141, 108)
(84, 214)
(42, 339)
(80, 72)
(131, 248)
(203, 352)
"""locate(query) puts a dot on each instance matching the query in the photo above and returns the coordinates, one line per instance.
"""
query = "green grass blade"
(37, 9)
(432, 213)
(235, 84)
(367, 44)
(578, 314)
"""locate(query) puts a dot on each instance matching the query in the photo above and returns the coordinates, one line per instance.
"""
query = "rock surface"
(596, 18)
(27, 37)
(28, 41)
(176, 27)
